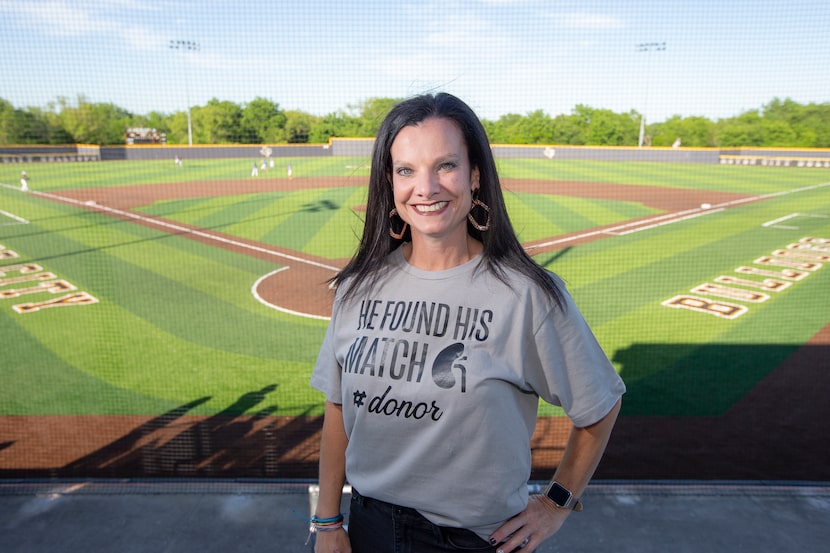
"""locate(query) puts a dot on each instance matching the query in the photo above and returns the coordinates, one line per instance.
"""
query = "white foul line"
(185, 230)
(19, 220)
(670, 218)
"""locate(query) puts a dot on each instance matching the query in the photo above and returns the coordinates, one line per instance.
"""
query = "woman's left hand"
(527, 530)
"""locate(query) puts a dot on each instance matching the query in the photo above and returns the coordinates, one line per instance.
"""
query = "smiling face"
(433, 182)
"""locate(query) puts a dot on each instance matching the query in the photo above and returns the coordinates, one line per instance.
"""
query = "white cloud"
(63, 18)
(59, 18)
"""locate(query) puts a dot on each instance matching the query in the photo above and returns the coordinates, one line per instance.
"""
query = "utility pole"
(647, 47)
(186, 47)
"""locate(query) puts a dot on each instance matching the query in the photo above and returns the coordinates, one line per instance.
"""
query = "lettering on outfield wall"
(782, 268)
(29, 279)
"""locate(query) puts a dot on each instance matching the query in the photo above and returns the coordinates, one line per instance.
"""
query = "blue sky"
(501, 56)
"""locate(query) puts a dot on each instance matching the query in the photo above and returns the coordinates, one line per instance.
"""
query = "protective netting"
(178, 183)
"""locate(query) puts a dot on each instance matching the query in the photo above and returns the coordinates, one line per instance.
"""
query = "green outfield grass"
(176, 320)
(64, 176)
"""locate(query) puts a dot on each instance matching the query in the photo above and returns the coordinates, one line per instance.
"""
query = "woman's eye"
(403, 171)
(448, 165)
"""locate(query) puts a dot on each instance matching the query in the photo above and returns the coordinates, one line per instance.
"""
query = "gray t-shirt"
(439, 375)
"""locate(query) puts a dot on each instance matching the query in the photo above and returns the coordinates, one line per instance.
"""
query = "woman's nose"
(427, 185)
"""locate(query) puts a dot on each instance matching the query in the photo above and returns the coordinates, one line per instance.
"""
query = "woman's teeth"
(430, 208)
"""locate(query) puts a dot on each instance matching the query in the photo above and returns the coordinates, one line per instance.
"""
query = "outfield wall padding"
(362, 147)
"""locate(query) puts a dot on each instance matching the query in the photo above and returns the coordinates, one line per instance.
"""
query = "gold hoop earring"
(392, 233)
(476, 224)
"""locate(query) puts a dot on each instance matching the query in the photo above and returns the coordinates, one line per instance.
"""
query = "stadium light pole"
(186, 46)
(647, 47)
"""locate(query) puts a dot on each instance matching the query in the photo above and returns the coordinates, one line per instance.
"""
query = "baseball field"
(159, 320)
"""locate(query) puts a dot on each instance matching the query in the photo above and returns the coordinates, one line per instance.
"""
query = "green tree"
(57, 132)
(90, 123)
(603, 127)
(19, 126)
(535, 128)
(32, 129)
(785, 110)
(490, 129)
(372, 112)
(298, 127)
(744, 130)
(505, 130)
(218, 122)
(8, 130)
(813, 129)
(810, 124)
(693, 131)
(783, 123)
(335, 124)
(568, 129)
(777, 133)
(176, 125)
(262, 122)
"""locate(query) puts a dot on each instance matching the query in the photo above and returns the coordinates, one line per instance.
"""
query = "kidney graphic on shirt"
(442, 368)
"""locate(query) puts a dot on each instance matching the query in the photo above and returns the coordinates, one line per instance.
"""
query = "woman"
(443, 336)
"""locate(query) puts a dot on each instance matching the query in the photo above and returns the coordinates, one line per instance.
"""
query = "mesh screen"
(179, 181)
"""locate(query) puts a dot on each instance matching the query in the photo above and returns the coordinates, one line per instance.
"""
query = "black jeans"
(379, 527)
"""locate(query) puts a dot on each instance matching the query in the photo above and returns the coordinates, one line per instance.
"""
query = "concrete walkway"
(235, 516)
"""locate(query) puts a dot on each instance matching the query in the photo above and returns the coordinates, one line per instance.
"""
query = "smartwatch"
(562, 497)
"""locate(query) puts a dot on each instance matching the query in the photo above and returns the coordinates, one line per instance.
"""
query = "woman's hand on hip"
(527, 530)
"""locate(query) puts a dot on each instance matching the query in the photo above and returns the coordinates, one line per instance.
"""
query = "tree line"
(782, 123)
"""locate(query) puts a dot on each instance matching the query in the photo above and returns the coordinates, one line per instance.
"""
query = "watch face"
(559, 494)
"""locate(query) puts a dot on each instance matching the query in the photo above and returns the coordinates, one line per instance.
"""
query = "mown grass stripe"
(120, 265)
(311, 210)
(535, 217)
(340, 234)
(45, 383)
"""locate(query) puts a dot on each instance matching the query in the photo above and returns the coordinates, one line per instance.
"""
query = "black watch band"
(562, 497)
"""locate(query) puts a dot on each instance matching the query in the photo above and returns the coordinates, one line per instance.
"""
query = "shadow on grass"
(241, 441)
(722, 412)
(711, 412)
(694, 379)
